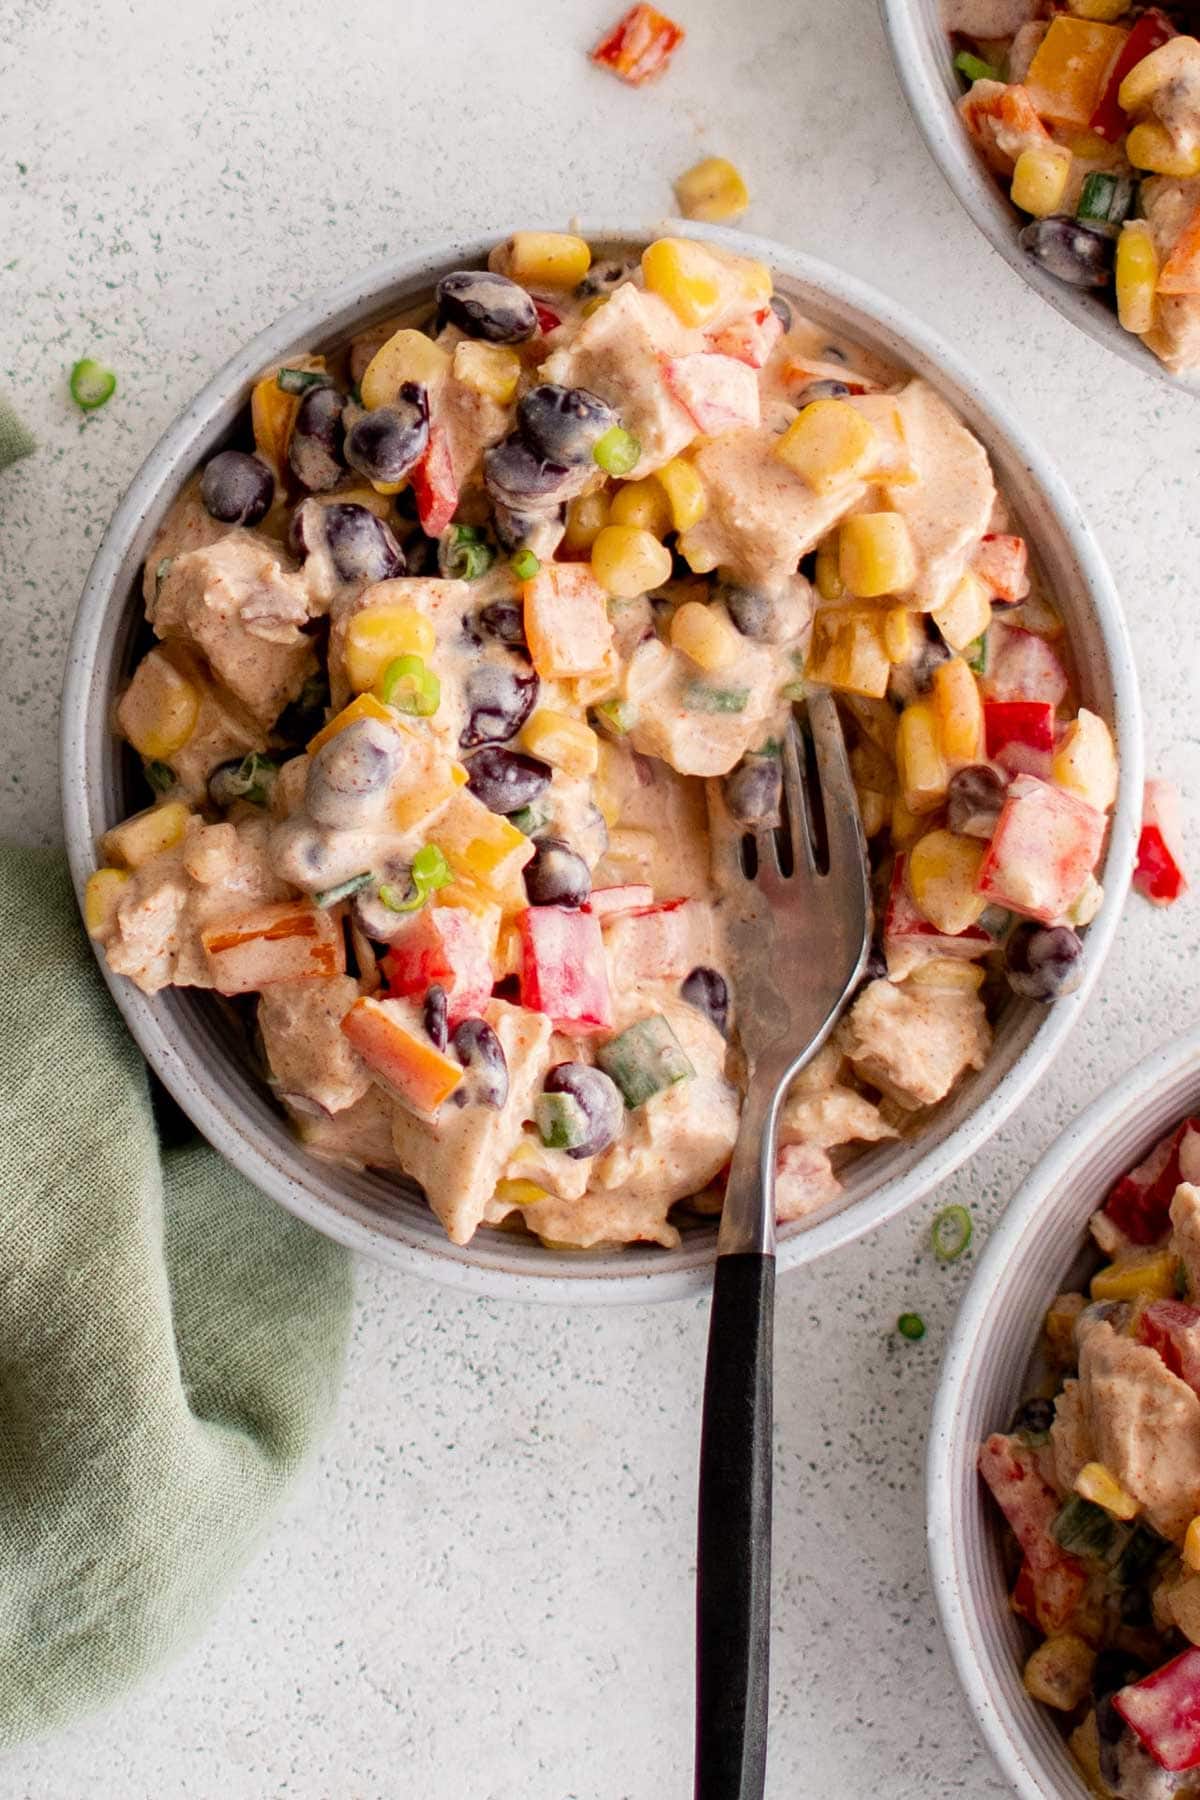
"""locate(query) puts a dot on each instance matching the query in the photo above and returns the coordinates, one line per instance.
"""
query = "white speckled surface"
(484, 1591)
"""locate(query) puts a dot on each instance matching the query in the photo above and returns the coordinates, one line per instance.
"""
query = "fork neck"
(748, 1215)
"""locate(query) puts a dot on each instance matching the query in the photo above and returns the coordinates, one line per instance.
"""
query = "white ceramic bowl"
(924, 62)
(1039, 1248)
(192, 1042)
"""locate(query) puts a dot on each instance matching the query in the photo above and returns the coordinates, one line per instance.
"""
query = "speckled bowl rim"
(925, 64)
(368, 1212)
(1028, 1257)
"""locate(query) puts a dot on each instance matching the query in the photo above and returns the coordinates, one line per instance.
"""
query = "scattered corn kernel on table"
(485, 1588)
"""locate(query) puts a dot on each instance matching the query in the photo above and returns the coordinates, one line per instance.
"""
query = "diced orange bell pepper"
(365, 707)
(385, 1034)
(1068, 76)
(289, 941)
(566, 621)
(1181, 271)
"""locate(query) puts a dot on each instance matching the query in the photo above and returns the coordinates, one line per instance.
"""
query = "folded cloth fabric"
(15, 441)
(171, 1341)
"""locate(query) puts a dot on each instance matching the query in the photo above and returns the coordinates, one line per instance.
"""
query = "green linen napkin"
(171, 1341)
(15, 441)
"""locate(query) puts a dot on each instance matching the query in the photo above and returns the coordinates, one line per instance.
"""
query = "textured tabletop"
(484, 1591)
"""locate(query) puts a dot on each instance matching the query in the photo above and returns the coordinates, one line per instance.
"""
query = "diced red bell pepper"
(1020, 735)
(1173, 1329)
(1181, 271)
(1002, 564)
(1022, 666)
(1030, 1505)
(750, 339)
(1152, 30)
(656, 943)
(548, 320)
(1163, 1711)
(607, 902)
(1045, 845)
(443, 947)
(909, 938)
(719, 392)
(292, 940)
(434, 487)
(640, 45)
(1023, 1598)
(1158, 874)
(1140, 1203)
(563, 972)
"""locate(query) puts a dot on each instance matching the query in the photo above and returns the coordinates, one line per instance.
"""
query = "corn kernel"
(559, 739)
(1085, 761)
(365, 707)
(686, 276)
(967, 614)
(828, 444)
(875, 555)
(587, 515)
(379, 634)
(959, 709)
(1137, 276)
(608, 785)
(704, 636)
(519, 1193)
(159, 708)
(920, 765)
(644, 504)
(101, 898)
(1150, 146)
(685, 493)
(906, 827)
(628, 561)
(829, 582)
(701, 559)
(874, 811)
(1141, 1274)
(548, 258)
(1103, 11)
(899, 635)
(146, 835)
(1191, 1544)
(407, 356)
(712, 190)
(847, 651)
(1089, 146)
(1059, 1327)
(1039, 181)
(492, 370)
(948, 972)
(1146, 77)
(942, 872)
(1059, 1672)
(1099, 1485)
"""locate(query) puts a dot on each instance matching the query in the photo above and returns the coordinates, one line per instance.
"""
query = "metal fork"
(799, 942)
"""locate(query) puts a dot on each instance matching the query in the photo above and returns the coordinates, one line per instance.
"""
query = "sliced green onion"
(911, 1326)
(769, 747)
(410, 687)
(561, 1121)
(995, 920)
(1104, 199)
(698, 696)
(951, 1233)
(644, 1059)
(1139, 1555)
(91, 384)
(794, 690)
(253, 779)
(524, 564)
(342, 890)
(619, 715)
(528, 819)
(976, 654)
(617, 451)
(429, 871)
(160, 775)
(974, 67)
(1083, 1527)
(160, 573)
(464, 554)
(298, 381)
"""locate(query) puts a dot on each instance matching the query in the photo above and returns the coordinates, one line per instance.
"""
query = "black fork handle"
(733, 1577)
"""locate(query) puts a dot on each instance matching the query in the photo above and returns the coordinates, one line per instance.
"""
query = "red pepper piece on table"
(640, 45)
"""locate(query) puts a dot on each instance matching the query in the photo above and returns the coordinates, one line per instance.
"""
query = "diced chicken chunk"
(236, 603)
(1185, 1223)
(804, 1182)
(456, 1159)
(949, 505)
(913, 1043)
(618, 354)
(311, 1057)
(597, 1218)
(188, 526)
(1071, 1436)
(360, 1137)
(840, 1115)
(1146, 1424)
(677, 722)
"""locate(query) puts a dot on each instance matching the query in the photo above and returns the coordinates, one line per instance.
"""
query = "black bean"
(782, 311)
(557, 875)
(481, 1053)
(563, 424)
(707, 990)
(1043, 962)
(485, 305)
(348, 774)
(388, 443)
(753, 790)
(755, 614)
(517, 477)
(506, 780)
(315, 446)
(822, 390)
(504, 620)
(599, 1099)
(1073, 252)
(360, 545)
(1036, 1416)
(974, 799)
(435, 1014)
(236, 488)
(499, 699)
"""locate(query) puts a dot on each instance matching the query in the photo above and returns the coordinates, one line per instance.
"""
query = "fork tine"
(843, 822)
(795, 800)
